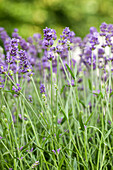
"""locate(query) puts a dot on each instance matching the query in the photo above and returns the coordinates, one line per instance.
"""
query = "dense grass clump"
(56, 100)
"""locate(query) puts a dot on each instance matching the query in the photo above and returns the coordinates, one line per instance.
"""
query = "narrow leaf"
(81, 122)
(70, 71)
(89, 118)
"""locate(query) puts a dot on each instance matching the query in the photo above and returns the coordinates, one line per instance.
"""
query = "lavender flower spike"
(54, 151)
(58, 150)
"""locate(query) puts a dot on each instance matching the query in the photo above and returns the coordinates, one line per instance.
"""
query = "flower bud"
(3, 108)
(5, 120)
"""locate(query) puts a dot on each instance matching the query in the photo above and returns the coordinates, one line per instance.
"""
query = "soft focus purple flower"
(103, 28)
(79, 80)
(31, 150)
(30, 40)
(20, 158)
(49, 37)
(101, 51)
(109, 90)
(60, 135)
(92, 30)
(109, 122)
(30, 99)
(20, 116)
(1, 29)
(21, 148)
(44, 138)
(45, 44)
(35, 164)
(59, 120)
(54, 151)
(49, 34)
(95, 93)
(14, 119)
(108, 40)
(1, 137)
(90, 139)
(85, 126)
(36, 37)
(15, 95)
(94, 40)
(42, 88)
(2, 86)
(59, 48)
(16, 89)
(3, 35)
(24, 44)
(15, 34)
(72, 82)
(50, 55)
(58, 150)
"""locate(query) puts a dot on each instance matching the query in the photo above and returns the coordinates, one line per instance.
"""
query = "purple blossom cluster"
(49, 37)
(60, 120)
(58, 151)
(16, 89)
(21, 55)
(24, 57)
(35, 164)
(62, 48)
(42, 88)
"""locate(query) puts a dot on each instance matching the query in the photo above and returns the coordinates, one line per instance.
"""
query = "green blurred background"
(31, 16)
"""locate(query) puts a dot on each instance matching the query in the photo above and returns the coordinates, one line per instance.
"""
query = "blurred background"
(31, 16)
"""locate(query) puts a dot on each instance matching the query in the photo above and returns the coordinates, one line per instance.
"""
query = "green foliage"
(31, 16)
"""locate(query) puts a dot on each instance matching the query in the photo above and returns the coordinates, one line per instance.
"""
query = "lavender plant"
(56, 100)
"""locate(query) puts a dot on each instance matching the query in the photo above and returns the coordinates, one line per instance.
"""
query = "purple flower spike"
(30, 99)
(14, 119)
(85, 126)
(54, 151)
(35, 164)
(59, 120)
(31, 150)
(109, 122)
(1, 137)
(42, 88)
(50, 55)
(10, 168)
(21, 148)
(16, 89)
(20, 116)
(92, 30)
(49, 37)
(58, 150)
(95, 93)
(20, 158)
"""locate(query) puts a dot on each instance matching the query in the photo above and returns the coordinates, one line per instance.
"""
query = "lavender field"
(56, 100)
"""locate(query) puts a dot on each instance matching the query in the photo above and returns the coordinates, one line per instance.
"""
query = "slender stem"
(51, 86)
(37, 93)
